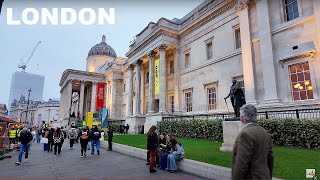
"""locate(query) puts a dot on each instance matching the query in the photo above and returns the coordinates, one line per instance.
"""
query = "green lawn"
(290, 163)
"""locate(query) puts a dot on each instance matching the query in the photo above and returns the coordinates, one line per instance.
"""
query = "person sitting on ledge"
(165, 147)
(176, 154)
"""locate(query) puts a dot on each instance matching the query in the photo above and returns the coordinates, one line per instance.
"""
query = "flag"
(104, 117)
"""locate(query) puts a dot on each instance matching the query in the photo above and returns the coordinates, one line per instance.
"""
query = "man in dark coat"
(252, 151)
(25, 138)
(110, 136)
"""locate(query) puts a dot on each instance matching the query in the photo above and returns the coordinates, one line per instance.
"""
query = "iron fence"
(280, 114)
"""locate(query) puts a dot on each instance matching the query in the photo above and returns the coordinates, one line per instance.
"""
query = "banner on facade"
(104, 117)
(157, 76)
(100, 97)
(90, 119)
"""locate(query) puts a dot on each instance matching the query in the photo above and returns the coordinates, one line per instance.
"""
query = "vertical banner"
(104, 117)
(90, 119)
(157, 76)
(100, 97)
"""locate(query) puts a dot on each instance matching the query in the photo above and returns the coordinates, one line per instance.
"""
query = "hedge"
(288, 132)
(115, 127)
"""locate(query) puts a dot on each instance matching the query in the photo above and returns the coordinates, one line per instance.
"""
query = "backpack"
(84, 135)
(72, 134)
(96, 134)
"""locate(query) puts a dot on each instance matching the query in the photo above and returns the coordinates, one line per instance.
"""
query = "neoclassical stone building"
(186, 66)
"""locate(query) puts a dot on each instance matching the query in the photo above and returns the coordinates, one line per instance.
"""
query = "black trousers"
(110, 144)
(83, 147)
(50, 144)
(57, 146)
(157, 158)
(71, 142)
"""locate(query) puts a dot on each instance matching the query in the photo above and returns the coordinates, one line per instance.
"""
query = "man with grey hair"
(252, 151)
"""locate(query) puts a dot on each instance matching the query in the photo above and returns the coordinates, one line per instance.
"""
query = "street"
(69, 165)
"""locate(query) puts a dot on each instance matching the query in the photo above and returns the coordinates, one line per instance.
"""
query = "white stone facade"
(253, 41)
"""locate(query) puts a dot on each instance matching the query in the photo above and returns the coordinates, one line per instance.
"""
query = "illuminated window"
(237, 38)
(188, 101)
(212, 98)
(301, 85)
(291, 9)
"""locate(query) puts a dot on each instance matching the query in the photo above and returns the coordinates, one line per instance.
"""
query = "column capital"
(130, 67)
(139, 62)
(162, 47)
(152, 54)
(243, 4)
(94, 82)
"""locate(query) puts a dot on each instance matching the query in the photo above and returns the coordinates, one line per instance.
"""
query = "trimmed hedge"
(115, 127)
(197, 129)
(288, 132)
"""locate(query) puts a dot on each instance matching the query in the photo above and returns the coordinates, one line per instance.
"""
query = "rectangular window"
(172, 104)
(187, 60)
(209, 50)
(237, 38)
(300, 78)
(212, 98)
(171, 67)
(291, 9)
(147, 78)
(188, 101)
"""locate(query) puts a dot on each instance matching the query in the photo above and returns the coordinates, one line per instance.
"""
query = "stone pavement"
(69, 165)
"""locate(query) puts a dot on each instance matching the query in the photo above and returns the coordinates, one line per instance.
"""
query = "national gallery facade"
(186, 66)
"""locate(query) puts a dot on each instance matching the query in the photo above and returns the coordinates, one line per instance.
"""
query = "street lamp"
(25, 121)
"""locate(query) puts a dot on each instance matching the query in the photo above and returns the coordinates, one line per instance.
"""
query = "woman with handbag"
(57, 137)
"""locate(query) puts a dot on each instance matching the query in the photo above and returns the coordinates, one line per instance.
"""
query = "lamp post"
(25, 121)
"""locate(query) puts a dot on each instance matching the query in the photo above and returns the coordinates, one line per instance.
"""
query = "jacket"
(75, 134)
(152, 141)
(58, 139)
(252, 154)
(110, 134)
(81, 137)
(95, 134)
(25, 137)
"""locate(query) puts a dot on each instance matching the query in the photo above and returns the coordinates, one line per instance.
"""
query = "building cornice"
(69, 72)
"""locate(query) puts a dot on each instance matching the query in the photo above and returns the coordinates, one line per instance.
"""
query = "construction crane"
(23, 64)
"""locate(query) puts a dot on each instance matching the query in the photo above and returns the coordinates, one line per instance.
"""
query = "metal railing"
(280, 114)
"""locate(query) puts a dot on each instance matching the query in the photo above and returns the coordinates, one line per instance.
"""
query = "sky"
(67, 46)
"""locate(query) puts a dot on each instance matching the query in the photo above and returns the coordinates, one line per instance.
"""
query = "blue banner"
(104, 117)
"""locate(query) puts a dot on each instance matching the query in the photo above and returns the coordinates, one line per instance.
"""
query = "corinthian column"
(130, 94)
(163, 79)
(151, 82)
(138, 79)
(81, 99)
(93, 97)
(69, 96)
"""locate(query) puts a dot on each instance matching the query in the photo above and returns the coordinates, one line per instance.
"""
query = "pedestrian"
(25, 138)
(58, 136)
(50, 140)
(110, 136)
(39, 133)
(127, 128)
(252, 151)
(72, 136)
(176, 154)
(152, 143)
(95, 137)
(120, 129)
(84, 139)
(12, 135)
(89, 133)
(34, 134)
(64, 135)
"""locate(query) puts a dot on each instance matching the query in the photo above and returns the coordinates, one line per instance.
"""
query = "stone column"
(82, 84)
(247, 61)
(114, 99)
(138, 95)
(69, 96)
(130, 93)
(316, 9)
(151, 82)
(163, 79)
(269, 74)
(93, 97)
(142, 92)
(177, 87)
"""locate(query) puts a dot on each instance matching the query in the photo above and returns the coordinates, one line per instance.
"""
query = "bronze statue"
(237, 97)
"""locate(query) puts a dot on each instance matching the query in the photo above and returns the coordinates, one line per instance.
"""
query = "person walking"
(84, 139)
(34, 134)
(110, 136)
(58, 136)
(252, 151)
(89, 133)
(95, 137)
(25, 138)
(127, 128)
(39, 133)
(152, 144)
(72, 136)
(50, 140)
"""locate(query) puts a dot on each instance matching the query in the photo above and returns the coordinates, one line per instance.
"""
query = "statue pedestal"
(231, 129)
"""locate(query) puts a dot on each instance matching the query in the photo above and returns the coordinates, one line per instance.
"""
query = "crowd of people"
(53, 139)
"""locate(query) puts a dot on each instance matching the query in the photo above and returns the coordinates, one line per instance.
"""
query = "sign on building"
(157, 76)
(100, 97)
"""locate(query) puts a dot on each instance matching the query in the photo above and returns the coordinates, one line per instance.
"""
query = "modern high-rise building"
(22, 82)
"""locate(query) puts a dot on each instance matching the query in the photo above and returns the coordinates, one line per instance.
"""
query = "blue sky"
(66, 47)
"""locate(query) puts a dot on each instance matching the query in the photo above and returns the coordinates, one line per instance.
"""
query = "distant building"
(3, 110)
(22, 82)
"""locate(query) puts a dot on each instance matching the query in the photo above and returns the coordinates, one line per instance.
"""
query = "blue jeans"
(171, 161)
(38, 139)
(23, 148)
(95, 143)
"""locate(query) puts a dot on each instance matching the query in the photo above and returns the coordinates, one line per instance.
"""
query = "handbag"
(44, 140)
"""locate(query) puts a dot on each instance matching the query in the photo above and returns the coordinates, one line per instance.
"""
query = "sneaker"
(81, 156)
(70, 148)
(173, 171)
(55, 155)
(18, 163)
(153, 170)
(92, 153)
(98, 152)
(25, 160)
(85, 155)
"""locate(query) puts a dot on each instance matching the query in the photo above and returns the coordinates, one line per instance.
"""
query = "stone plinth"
(134, 122)
(151, 120)
(231, 129)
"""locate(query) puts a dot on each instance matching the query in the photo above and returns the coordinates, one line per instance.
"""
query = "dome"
(102, 49)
